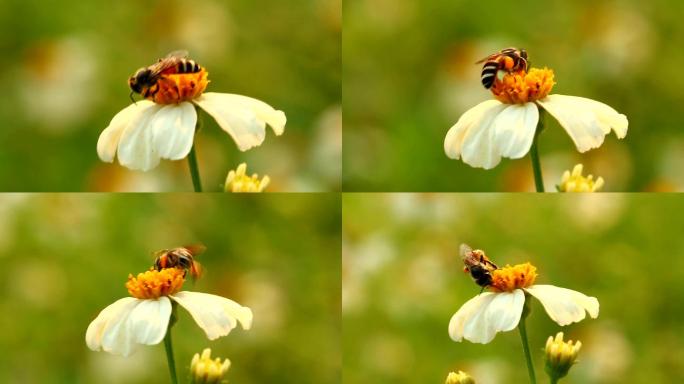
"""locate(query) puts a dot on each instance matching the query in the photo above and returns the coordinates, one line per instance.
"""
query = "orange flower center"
(520, 87)
(154, 284)
(509, 278)
(179, 87)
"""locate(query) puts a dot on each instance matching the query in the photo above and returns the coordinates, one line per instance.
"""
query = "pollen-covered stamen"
(522, 87)
(154, 284)
(179, 87)
(509, 278)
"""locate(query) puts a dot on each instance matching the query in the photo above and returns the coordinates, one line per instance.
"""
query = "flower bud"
(459, 378)
(560, 355)
(204, 370)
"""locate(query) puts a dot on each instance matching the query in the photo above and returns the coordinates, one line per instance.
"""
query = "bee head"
(141, 77)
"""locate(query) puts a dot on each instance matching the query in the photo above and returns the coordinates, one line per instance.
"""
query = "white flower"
(145, 132)
(506, 127)
(483, 316)
(130, 322)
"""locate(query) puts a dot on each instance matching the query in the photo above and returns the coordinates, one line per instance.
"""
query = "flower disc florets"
(179, 87)
(154, 284)
(523, 87)
(508, 279)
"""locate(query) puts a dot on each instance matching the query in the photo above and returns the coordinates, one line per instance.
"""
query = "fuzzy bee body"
(478, 265)
(145, 80)
(509, 60)
(181, 258)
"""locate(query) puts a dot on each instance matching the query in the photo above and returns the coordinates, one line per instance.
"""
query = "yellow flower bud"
(459, 378)
(575, 182)
(238, 181)
(204, 370)
(560, 355)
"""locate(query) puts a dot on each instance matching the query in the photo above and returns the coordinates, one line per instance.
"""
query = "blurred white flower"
(506, 127)
(145, 132)
(483, 316)
(144, 318)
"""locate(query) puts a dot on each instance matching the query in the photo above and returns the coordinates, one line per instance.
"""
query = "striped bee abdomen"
(188, 66)
(489, 70)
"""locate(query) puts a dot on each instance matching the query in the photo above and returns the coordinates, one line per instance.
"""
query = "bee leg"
(482, 290)
(132, 99)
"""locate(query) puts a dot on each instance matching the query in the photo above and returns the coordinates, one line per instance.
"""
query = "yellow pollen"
(179, 87)
(509, 278)
(239, 181)
(154, 284)
(520, 87)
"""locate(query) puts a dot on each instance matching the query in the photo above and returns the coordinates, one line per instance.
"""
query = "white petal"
(216, 315)
(472, 136)
(483, 316)
(123, 326)
(173, 130)
(241, 123)
(586, 121)
(564, 306)
(136, 148)
(275, 118)
(109, 138)
(514, 129)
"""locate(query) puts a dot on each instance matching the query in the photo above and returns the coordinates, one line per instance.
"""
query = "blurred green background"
(409, 74)
(65, 72)
(66, 257)
(403, 280)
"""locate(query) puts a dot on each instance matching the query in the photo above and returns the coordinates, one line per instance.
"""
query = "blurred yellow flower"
(506, 127)
(238, 181)
(143, 319)
(483, 316)
(204, 370)
(575, 182)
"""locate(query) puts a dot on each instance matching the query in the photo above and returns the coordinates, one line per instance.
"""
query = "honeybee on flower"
(508, 125)
(163, 125)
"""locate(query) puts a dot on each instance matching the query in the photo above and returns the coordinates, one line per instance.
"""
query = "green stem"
(553, 380)
(526, 349)
(194, 169)
(534, 154)
(168, 346)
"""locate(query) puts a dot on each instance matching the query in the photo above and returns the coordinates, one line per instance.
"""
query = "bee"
(509, 60)
(145, 80)
(181, 258)
(478, 265)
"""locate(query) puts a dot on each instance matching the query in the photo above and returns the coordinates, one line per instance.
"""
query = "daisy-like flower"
(238, 181)
(506, 126)
(483, 316)
(163, 127)
(143, 319)
(575, 182)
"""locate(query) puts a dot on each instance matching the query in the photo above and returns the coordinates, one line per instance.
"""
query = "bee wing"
(195, 249)
(162, 65)
(493, 55)
(178, 54)
(464, 250)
